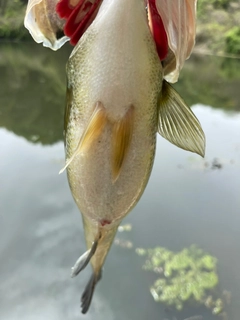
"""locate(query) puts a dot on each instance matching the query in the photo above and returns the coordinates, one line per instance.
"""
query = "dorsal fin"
(94, 128)
(121, 139)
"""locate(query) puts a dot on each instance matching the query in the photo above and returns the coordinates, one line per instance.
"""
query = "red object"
(79, 14)
(158, 31)
(104, 222)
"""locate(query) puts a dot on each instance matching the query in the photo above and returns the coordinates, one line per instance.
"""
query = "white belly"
(115, 63)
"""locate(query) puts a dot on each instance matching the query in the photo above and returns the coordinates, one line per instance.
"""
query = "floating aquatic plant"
(188, 275)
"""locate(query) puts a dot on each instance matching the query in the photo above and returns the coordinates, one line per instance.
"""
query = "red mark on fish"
(104, 222)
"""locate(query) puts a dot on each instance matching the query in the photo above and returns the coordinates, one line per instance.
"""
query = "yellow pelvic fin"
(177, 122)
(121, 139)
(94, 128)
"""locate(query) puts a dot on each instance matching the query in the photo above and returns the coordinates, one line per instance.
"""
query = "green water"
(188, 200)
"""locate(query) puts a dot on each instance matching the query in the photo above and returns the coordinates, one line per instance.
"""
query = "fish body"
(122, 77)
(117, 101)
(118, 80)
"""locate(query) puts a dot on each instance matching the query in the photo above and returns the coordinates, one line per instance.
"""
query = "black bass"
(117, 101)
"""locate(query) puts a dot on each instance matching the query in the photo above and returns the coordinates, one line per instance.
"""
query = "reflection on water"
(188, 199)
(32, 93)
(212, 81)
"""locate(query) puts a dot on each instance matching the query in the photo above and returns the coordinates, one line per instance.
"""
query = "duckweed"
(186, 276)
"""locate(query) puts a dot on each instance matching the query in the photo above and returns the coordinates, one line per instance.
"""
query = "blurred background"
(188, 200)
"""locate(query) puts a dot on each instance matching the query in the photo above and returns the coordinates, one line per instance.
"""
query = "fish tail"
(99, 240)
(88, 292)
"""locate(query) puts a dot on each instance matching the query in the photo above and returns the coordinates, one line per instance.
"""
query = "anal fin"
(121, 139)
(93, 130)
(83, 261)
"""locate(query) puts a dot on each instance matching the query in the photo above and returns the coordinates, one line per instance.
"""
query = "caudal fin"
(88, 292)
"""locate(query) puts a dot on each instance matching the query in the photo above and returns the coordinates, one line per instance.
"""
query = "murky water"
(188, 200)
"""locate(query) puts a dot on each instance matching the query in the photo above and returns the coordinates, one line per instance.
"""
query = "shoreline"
(218, 26)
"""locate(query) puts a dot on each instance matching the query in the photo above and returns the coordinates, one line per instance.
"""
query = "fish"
(118, 98)
(117, 101)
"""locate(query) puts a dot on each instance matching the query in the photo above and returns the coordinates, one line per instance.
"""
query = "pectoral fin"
(179, 20)
(44, 24)
(95, 126)
(178, 124)
(121, 139)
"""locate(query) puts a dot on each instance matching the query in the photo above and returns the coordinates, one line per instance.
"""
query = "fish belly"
(115, 66)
